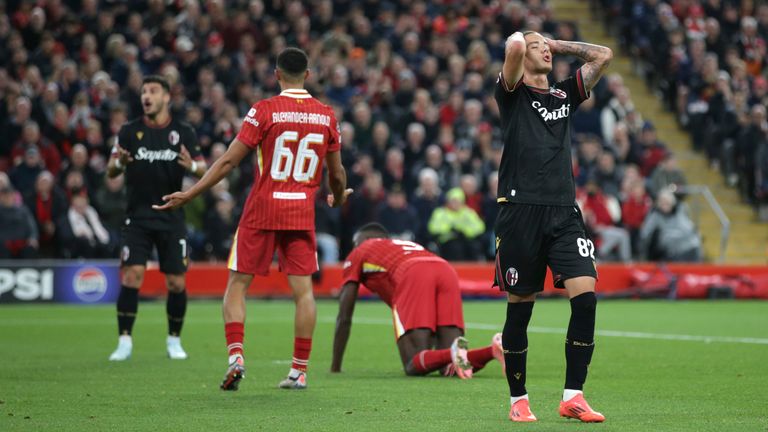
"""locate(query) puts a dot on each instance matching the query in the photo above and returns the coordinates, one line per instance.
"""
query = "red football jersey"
(378, 263)
(291, 134)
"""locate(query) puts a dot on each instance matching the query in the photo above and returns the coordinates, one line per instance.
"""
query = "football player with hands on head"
(539, 223)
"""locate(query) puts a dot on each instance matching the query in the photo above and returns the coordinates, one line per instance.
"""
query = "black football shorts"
(531, 237)
(171, 244)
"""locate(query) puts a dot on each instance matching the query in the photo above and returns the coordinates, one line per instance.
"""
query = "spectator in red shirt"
(635, 207)
(47, 204)
(602, 213)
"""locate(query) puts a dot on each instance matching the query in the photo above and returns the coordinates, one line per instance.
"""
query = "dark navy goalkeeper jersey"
(536, 131)
(155, 170)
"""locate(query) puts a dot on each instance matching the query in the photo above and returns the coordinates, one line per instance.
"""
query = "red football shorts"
(253, 249)
(427, 296)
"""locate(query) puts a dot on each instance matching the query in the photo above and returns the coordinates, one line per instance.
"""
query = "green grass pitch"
(652, 371)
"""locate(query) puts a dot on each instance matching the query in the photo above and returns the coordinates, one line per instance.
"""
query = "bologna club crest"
(511, 276)
(556, 92)
(173, 137)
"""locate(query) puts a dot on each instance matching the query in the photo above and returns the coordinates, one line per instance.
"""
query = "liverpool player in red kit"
(291, 133)
(423, 291)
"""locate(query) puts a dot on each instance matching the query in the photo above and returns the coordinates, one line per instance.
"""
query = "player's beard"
(152, 114)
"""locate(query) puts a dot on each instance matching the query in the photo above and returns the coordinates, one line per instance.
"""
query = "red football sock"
(480, 357)
(234, 332)
(301, 349)
(428, 360)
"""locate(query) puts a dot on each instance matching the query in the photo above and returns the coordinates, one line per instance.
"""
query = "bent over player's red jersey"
(291, 134)
(378, 263)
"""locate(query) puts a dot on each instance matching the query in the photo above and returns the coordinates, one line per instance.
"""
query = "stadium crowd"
(412, 81)
(708, 60)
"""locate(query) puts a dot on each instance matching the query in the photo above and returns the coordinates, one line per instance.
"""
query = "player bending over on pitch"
(423, 291)
(292, 134)
(539, 223)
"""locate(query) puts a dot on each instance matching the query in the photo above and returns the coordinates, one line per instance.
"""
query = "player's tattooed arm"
(347, 299)
(596, 58)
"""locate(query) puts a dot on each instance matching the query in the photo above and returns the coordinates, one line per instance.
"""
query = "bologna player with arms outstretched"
(291, 133)
(423, 291)
(155, 152)
(539, 223)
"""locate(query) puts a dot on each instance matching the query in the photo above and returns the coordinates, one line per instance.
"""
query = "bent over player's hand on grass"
(172, 201)
(332, 201)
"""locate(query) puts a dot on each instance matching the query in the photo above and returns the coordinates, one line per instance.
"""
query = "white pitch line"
(606, 333)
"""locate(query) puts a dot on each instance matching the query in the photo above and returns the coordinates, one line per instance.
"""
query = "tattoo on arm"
(596, 59)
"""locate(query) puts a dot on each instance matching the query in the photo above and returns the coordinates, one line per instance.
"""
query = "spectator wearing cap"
(398, 216)
(47, 204)
(653, 150)
(457, 229)
(18, 230)
(25, 173)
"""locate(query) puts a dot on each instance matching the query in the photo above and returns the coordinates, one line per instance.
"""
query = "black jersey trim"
(162, 126)
(580, 85)
(504, 83)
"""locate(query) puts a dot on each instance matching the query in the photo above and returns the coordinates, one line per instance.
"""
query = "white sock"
(173, 339)
(294, 373)
(513, 399)
(570, 394)
(233, 358)
(125, 339)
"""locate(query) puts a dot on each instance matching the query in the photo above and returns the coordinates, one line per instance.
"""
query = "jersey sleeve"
(353, 267)
(334, 144)
(254, 124)
(191, 143)
(503, 94)
(574, 86)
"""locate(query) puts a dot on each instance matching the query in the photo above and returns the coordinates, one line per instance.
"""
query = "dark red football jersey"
(291, 134)
(377, 264)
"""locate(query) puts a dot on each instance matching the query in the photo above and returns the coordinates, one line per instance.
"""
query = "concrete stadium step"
(748, 243)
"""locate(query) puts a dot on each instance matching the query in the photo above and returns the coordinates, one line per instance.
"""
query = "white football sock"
(125, 339)
(294, 373)
(570, 394)
(513, 399)
(233, 358)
